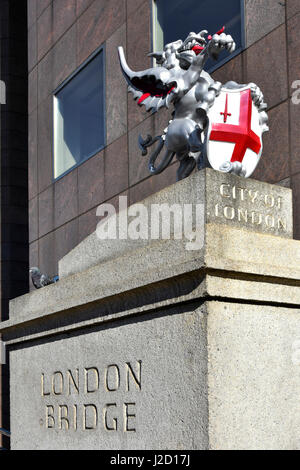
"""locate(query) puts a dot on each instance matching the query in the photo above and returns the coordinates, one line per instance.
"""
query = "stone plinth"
(152, 345)
(226, 199)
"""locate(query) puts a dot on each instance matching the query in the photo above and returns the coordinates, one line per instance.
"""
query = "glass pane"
(176, 18)
(79, 117)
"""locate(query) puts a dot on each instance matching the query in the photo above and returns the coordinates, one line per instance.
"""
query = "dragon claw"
(221, 42)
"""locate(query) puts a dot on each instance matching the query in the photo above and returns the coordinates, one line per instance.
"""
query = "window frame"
(100, 50)
(219, 64)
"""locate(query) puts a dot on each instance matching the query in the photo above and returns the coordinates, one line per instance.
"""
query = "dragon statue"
(179, 80)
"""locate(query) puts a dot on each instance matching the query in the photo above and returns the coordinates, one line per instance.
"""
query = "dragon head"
(193, 45)
(156, 87)
(181, 53)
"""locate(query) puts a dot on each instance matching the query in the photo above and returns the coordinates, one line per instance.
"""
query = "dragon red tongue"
(197, 49)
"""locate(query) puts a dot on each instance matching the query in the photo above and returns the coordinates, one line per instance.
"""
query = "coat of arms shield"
(235, 131)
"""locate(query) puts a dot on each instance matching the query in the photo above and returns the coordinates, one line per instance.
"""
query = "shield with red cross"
(235, 132)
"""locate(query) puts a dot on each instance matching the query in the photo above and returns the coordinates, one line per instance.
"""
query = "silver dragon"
(180, 80)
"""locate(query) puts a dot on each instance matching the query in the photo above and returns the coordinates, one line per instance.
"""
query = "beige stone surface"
(225, 285)
(218, 375)
(93, 251)
(253, 377)
(247, 252)
(163, 407)
(134, 270)
(226, 199)
(272, 260)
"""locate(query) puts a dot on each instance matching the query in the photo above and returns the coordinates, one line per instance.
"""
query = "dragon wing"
(153, 87)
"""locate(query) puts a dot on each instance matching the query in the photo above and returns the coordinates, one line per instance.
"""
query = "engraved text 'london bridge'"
(89, 385)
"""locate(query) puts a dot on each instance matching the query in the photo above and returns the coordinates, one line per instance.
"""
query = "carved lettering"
(44, 394)
(112, 378)
(279, 202)
(269, 200)
(135, 375)
(242, 215)
(282, 224)
(58, 383)
(63, 413)
(253, 195)
(128, 425)
(75, 417)
(73, 382)
(256, 218)
(92, 380)
(90, 417)
(242, 193)
(229, 213)
(238, 213)
(217, 210)
(117, 416)
(270, 221)
(225, 190)
(264, 213)
(50, 421)
(111, 425)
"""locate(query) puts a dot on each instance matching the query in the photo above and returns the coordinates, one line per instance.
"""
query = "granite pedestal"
(157, 344)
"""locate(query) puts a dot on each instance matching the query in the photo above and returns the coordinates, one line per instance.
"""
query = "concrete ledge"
(233, 264)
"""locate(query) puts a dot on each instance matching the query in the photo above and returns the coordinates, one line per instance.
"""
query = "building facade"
(63, 38)
(14, 169)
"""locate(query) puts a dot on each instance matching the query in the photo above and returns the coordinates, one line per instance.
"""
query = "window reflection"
(79, 117)
(174, 19)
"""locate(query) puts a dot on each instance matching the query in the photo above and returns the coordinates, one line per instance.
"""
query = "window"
(79, 124)
(174, 19)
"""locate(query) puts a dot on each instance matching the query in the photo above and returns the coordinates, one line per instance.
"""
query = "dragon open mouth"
(153, 88)
(197, 49)
(193, 43)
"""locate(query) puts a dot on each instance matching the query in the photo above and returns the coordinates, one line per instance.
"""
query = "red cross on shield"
(235, 132)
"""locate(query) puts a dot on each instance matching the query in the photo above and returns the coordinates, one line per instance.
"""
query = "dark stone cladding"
(14, 169)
